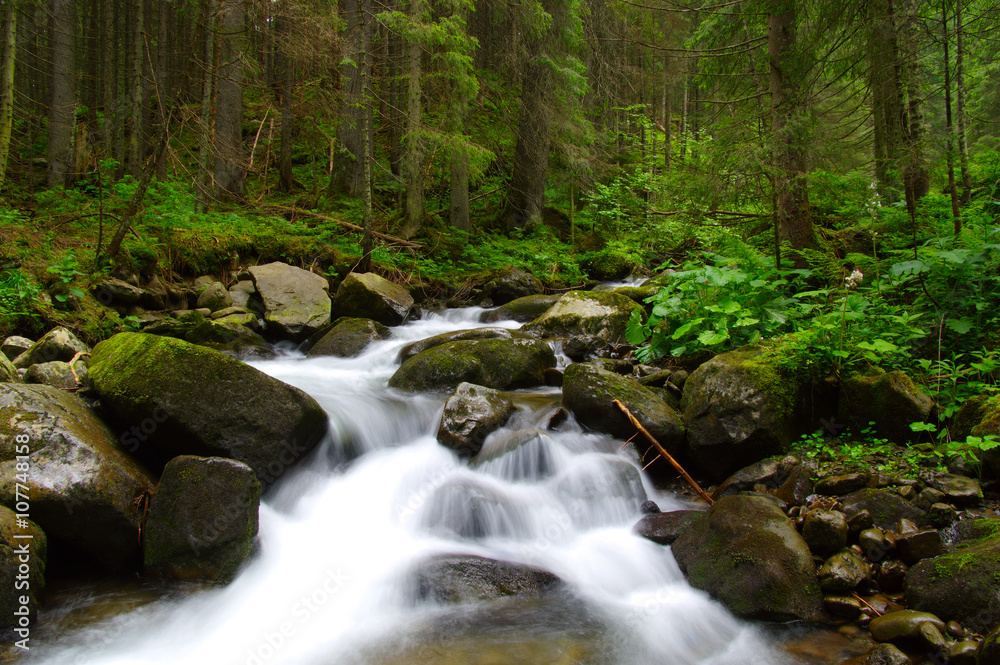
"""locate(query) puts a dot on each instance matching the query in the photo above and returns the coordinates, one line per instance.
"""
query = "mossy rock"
(466, 578)
(639, 294)
(989, 424)
(82, 485)
(607, 265)
(20, 542)
(960, 585)
(59, 374)
(203, 520)
(215, 297)
(348, 338)
(57, 344)
(195, 402)
(889, 399)
(740, 408)
(502, 364)
(229, 337)
(470, 415)
(422, 345)
(747, 555)
(521, 310)
(369, 296)
(512, 284)
(600, 314)
(590, 392)
(8, 373)
(296, 301)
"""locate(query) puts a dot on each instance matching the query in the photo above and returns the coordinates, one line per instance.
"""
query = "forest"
(822, 169)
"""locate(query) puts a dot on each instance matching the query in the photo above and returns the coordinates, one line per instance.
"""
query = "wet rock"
(649, 508)
(747, 555)
(470, 415)
(366, 295)
(215, 297)
(8, 373)
(111, 291)
(887, 654)
(665, 528)
(825, 531)
(858, 522)
(959, 490)
(963, 653)
(914, 547)
(891, 400)
(589, 392)
(842, 572)
(876, 544)
(192, 401)
(989, 650)
(516, 456)
(891, 575)
(296, 301)
(738, 409)
(82, 486)
(348, 338)
(770, 472)
(422, 345)
(846, 607)
(885, 507)
(797, 488)
(57, 344)
(466, 578)
(603, 315)
(902, 625)
(942, 515)
(202, 521)
(927, 497)
(14, 346)
(933, 639)
(502, 364)
(512, 284)
(907, 492)
(225, 335)
(59, 374)
(522, 310)
(843, 483)
(22, 546)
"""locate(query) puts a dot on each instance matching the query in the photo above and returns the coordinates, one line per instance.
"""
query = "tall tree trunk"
(963, 144)
(7, 83)
(787, 122)
(62, 110)
(668, 116)
(346, 176)
(230, 170)
(205, 138)
(136, 89)
(162, 91)
(413, 144)
(916, 179)
(365, 152)
(887, 111)
(287, 77)
(956, 213)
(531, 150)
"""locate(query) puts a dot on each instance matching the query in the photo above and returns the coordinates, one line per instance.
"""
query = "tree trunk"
(963, 144)
(62, 110)
(346, 176)
(787, 121)
(413, 143)
(286, 87)
(366, 134)
(7, 83)
(135, 89)
(230, 171)
(667, 116)
(162, 75)
(956, 213)
(205, 138)
(887, 111)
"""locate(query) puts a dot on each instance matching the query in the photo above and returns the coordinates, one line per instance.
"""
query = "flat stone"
(843, 483)
(218, 314)
(847, 607)
(901, 625)
(914, 547)
(665, 528)
(844, 571)
(960, 490)
(114, 291)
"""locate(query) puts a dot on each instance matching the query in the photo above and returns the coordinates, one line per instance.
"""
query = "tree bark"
(414, 156)
(230, 170)
(346, 176)
(136, 89)
(286, 88)
(7, 83)
(887, 111)
(205, 138)
(963, 144)
(62, 110)
(956, 213)
(366, 135)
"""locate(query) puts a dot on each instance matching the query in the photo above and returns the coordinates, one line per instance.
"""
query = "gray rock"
(228, 335)
(8, 373)
(57, 344)
(771, 473)
(825, 531)
(887, 654)
(891, 400)
(465, 578)
(112, 291)
(920, 545)
(885, 507)
(23, 545)
(348, 338)
(960, 490)
(83, 487)
(603, 315)
(512, 284)
(59, 374)
(470, 415)
(843, 572)
(843, 483)
(523, 309)
(296, 301)
(368, 296)
(203, 520)
(215, 297)
(14, 346)
(902, 625)
(665, 528)
(241, 293)
(228, 311)
(427, 343)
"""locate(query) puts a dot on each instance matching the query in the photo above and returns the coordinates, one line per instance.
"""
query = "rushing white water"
(341, 534)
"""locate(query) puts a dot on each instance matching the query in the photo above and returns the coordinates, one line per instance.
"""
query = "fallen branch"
(354, 227)
(663, 453)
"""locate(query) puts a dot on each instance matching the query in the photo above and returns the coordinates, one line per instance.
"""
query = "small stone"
(955, 629)
(960, 490)
(649, 507)
(928, 497)
(905, 526)
(228, 311)
(797, 487)
(963, 653)
(844, 571)
(901, 625)
(914, 547)
(858, 522)
(825, 531)
(876, 544)
(907, 492)
(215, 297)
(843, 483)
(932, 638)
(842, 606)
(882, 604)
(891, 575)
(665, 528)
(942, 514)
(887, 654)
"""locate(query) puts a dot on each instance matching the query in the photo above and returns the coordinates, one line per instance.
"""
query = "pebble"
(955, 629)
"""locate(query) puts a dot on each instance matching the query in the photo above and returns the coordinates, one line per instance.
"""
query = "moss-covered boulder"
(15, 345)
(59, 374)
(521, 310)
(886, 508)
(23, 555)
(608, 264)
(202, 522)
(57, 344)
(296, 301)
(600, 314)
(469, 415)
(512, 284)
(8, 373)
(191, 400)
(82, 486)
(589, 392)
(215, 297)
(422, 345)
(747, 555)
(961, 585)
(348, 338)
(889, 399)
(989, 424)
(369, 296)
(503, 364)
(462, 578)
(740, 408)
(228, 336)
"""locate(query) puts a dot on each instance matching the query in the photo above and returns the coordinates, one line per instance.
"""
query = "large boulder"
(889, 399)
(366, 295)
(469, 416)
(348, 338)
(462, 578)
(296, 301)
(195, 401)
(229, 337)
(216, 297)
(422, 345)
(739, 408)
(503, 364)
(989, 424)
(57, 344)
(747, 555)
(886, 508)
(59, 374)
(23, 553)
(589, 392)
(512, 284)
(202, 522)
(82, 487)
(600, 314)
(14, 346)
(522, 310)
(962, 584)
(8, 373)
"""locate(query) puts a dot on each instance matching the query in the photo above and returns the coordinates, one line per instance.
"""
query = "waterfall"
(341, 535)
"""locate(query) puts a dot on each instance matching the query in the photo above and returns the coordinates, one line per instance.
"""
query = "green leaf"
(961, 326)
(713, 337)
(911, 267)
